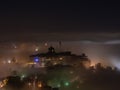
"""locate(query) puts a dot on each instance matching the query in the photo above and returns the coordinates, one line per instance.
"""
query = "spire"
(51, 49)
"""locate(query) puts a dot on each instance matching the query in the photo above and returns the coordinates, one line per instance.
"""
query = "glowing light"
(71, 72)
(42, 64)
(5, 81)
(9, 61)
(1, 85)
(15, 47)
(39, 85)
(36, 49)
(36, 59)
(61, 58)
(55, 63)
(31, 63)
(93, 63)
(59, 85)
(78, 87)
(115, 62)
(23, 76)
(46, 44)
(29, 84)
(67, 84)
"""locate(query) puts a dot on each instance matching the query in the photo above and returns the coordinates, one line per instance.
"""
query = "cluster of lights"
(8, 61)
(39, 84)
(3, 83)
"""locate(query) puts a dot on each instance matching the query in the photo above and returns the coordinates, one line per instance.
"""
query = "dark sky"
(50, 19)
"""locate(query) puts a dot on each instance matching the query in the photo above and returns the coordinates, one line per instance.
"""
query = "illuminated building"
(65, 58)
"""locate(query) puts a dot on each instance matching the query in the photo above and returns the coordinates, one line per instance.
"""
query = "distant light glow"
(36, 49)
(39, 85)
(42, 64)
(23, 76)
(66, 83)
(59, 85)
(55, 63)
(115, 62)
(36, 59)
(92, 64)
(14, 46)
(46, 44)
(71, 72)
(61, 58)
(9, 61)
(29, 84)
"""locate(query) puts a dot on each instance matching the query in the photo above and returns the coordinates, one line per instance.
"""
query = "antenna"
(60, 45)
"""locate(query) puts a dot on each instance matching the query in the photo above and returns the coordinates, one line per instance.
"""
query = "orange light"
(39, 85)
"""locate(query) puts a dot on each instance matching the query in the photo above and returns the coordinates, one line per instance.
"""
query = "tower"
(51, 50)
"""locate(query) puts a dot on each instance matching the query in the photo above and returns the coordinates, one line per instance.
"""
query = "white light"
(71, 72)
(46, 44)
(36, 49)
(15, 47)
(23, 76)
(61, 58)
(29, 84)
(55, 63)
(115, 62)
(9, 61)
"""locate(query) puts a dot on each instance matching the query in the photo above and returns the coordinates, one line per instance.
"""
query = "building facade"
(64, 58)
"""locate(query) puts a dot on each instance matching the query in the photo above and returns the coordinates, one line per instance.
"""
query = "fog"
(104, 52)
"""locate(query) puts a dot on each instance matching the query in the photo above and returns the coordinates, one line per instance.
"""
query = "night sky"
(45, 18)
(86, 26)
